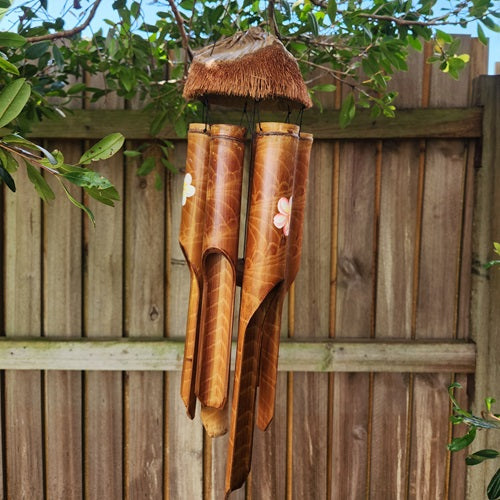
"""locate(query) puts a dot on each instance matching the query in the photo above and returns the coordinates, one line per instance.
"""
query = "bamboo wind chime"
(253, 67)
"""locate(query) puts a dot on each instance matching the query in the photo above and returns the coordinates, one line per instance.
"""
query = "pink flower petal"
(284, 206)
(286, 227)
(280, 220)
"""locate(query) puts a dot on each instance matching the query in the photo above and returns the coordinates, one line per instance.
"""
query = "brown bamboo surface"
(191, 241)
(220, 253)
(392, 224)
(268, 369)
(276, 146)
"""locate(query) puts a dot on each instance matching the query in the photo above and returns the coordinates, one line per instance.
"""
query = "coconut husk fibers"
(251, 65)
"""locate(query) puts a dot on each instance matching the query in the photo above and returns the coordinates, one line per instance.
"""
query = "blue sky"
(106, 11)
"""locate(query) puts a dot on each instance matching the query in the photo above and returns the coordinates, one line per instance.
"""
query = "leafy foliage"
(488, 420)
(357, 44)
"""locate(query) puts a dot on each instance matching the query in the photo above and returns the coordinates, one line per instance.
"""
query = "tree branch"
(182, 31)
(67, 33)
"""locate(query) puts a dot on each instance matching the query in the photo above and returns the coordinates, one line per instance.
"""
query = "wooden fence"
(390, 306)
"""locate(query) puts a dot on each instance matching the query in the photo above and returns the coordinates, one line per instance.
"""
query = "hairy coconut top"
(250, 65)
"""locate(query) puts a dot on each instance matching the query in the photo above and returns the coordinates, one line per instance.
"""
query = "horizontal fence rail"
(408, 123)
(295, 356)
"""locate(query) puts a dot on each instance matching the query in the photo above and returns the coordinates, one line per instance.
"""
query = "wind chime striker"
(251, 66)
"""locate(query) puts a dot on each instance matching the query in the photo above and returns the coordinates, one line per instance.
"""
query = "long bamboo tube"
(271, 328)
(220, 253)
(264, 273)
(191, 241)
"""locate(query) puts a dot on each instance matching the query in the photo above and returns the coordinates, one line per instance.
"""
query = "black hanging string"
(205, 112)
(300, 117)
(287, 119)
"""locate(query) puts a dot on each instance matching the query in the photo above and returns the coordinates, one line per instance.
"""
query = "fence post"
(485, 306)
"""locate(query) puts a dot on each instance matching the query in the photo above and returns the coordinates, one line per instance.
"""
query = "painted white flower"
(188, 190)
(282, 219)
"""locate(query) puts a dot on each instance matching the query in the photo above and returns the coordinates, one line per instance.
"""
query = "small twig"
(188, 53)
(67, 33)
(28, 156)
(271, 19)
(437, 21)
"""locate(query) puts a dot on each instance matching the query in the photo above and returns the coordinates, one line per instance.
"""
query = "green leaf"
(488, 402)
(79, 204)
(159, 121)
(43, 189)
(481, 35)
(131, 153)
(180, 126)
(105, 196)
(36, 50)
(496, 247)
(8, 161)
(331, 10)
(158, 182)
(76, 88)
(8, 67)
(460, 443)
(347, 111)
(12, 40)
(104, 149)
(147, 166)
(493, 490)
(445, 37)
(492, 25)
(480, 456)
(85, 178)
(7, 178)
(13, 98)
(415, 43)
(325, 87)
(313, 23)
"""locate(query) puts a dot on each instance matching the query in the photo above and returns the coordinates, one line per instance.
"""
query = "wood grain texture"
(396, 254)
(103, 317)
(437, 306)
(159, 354)
(184, 437)
(398, 213)
(24, 465)
(354, 315)
(62, 306)
(220, 253)
(144, 317)
(408, 123)
(310, 320)
(486, 286)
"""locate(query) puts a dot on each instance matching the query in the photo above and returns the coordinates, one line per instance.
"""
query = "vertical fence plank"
(312, 301)
(103, 316)
(144, 317)
(486, 285)
(437, 307)
(353, 315)
(393, 315)
(394, 293)
(185, 437)
(62, 306)
(23, 403)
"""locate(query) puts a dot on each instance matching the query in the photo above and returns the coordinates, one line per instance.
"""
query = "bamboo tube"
(264, 273)
(191, 240)
(271, 328)
(220, 253)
